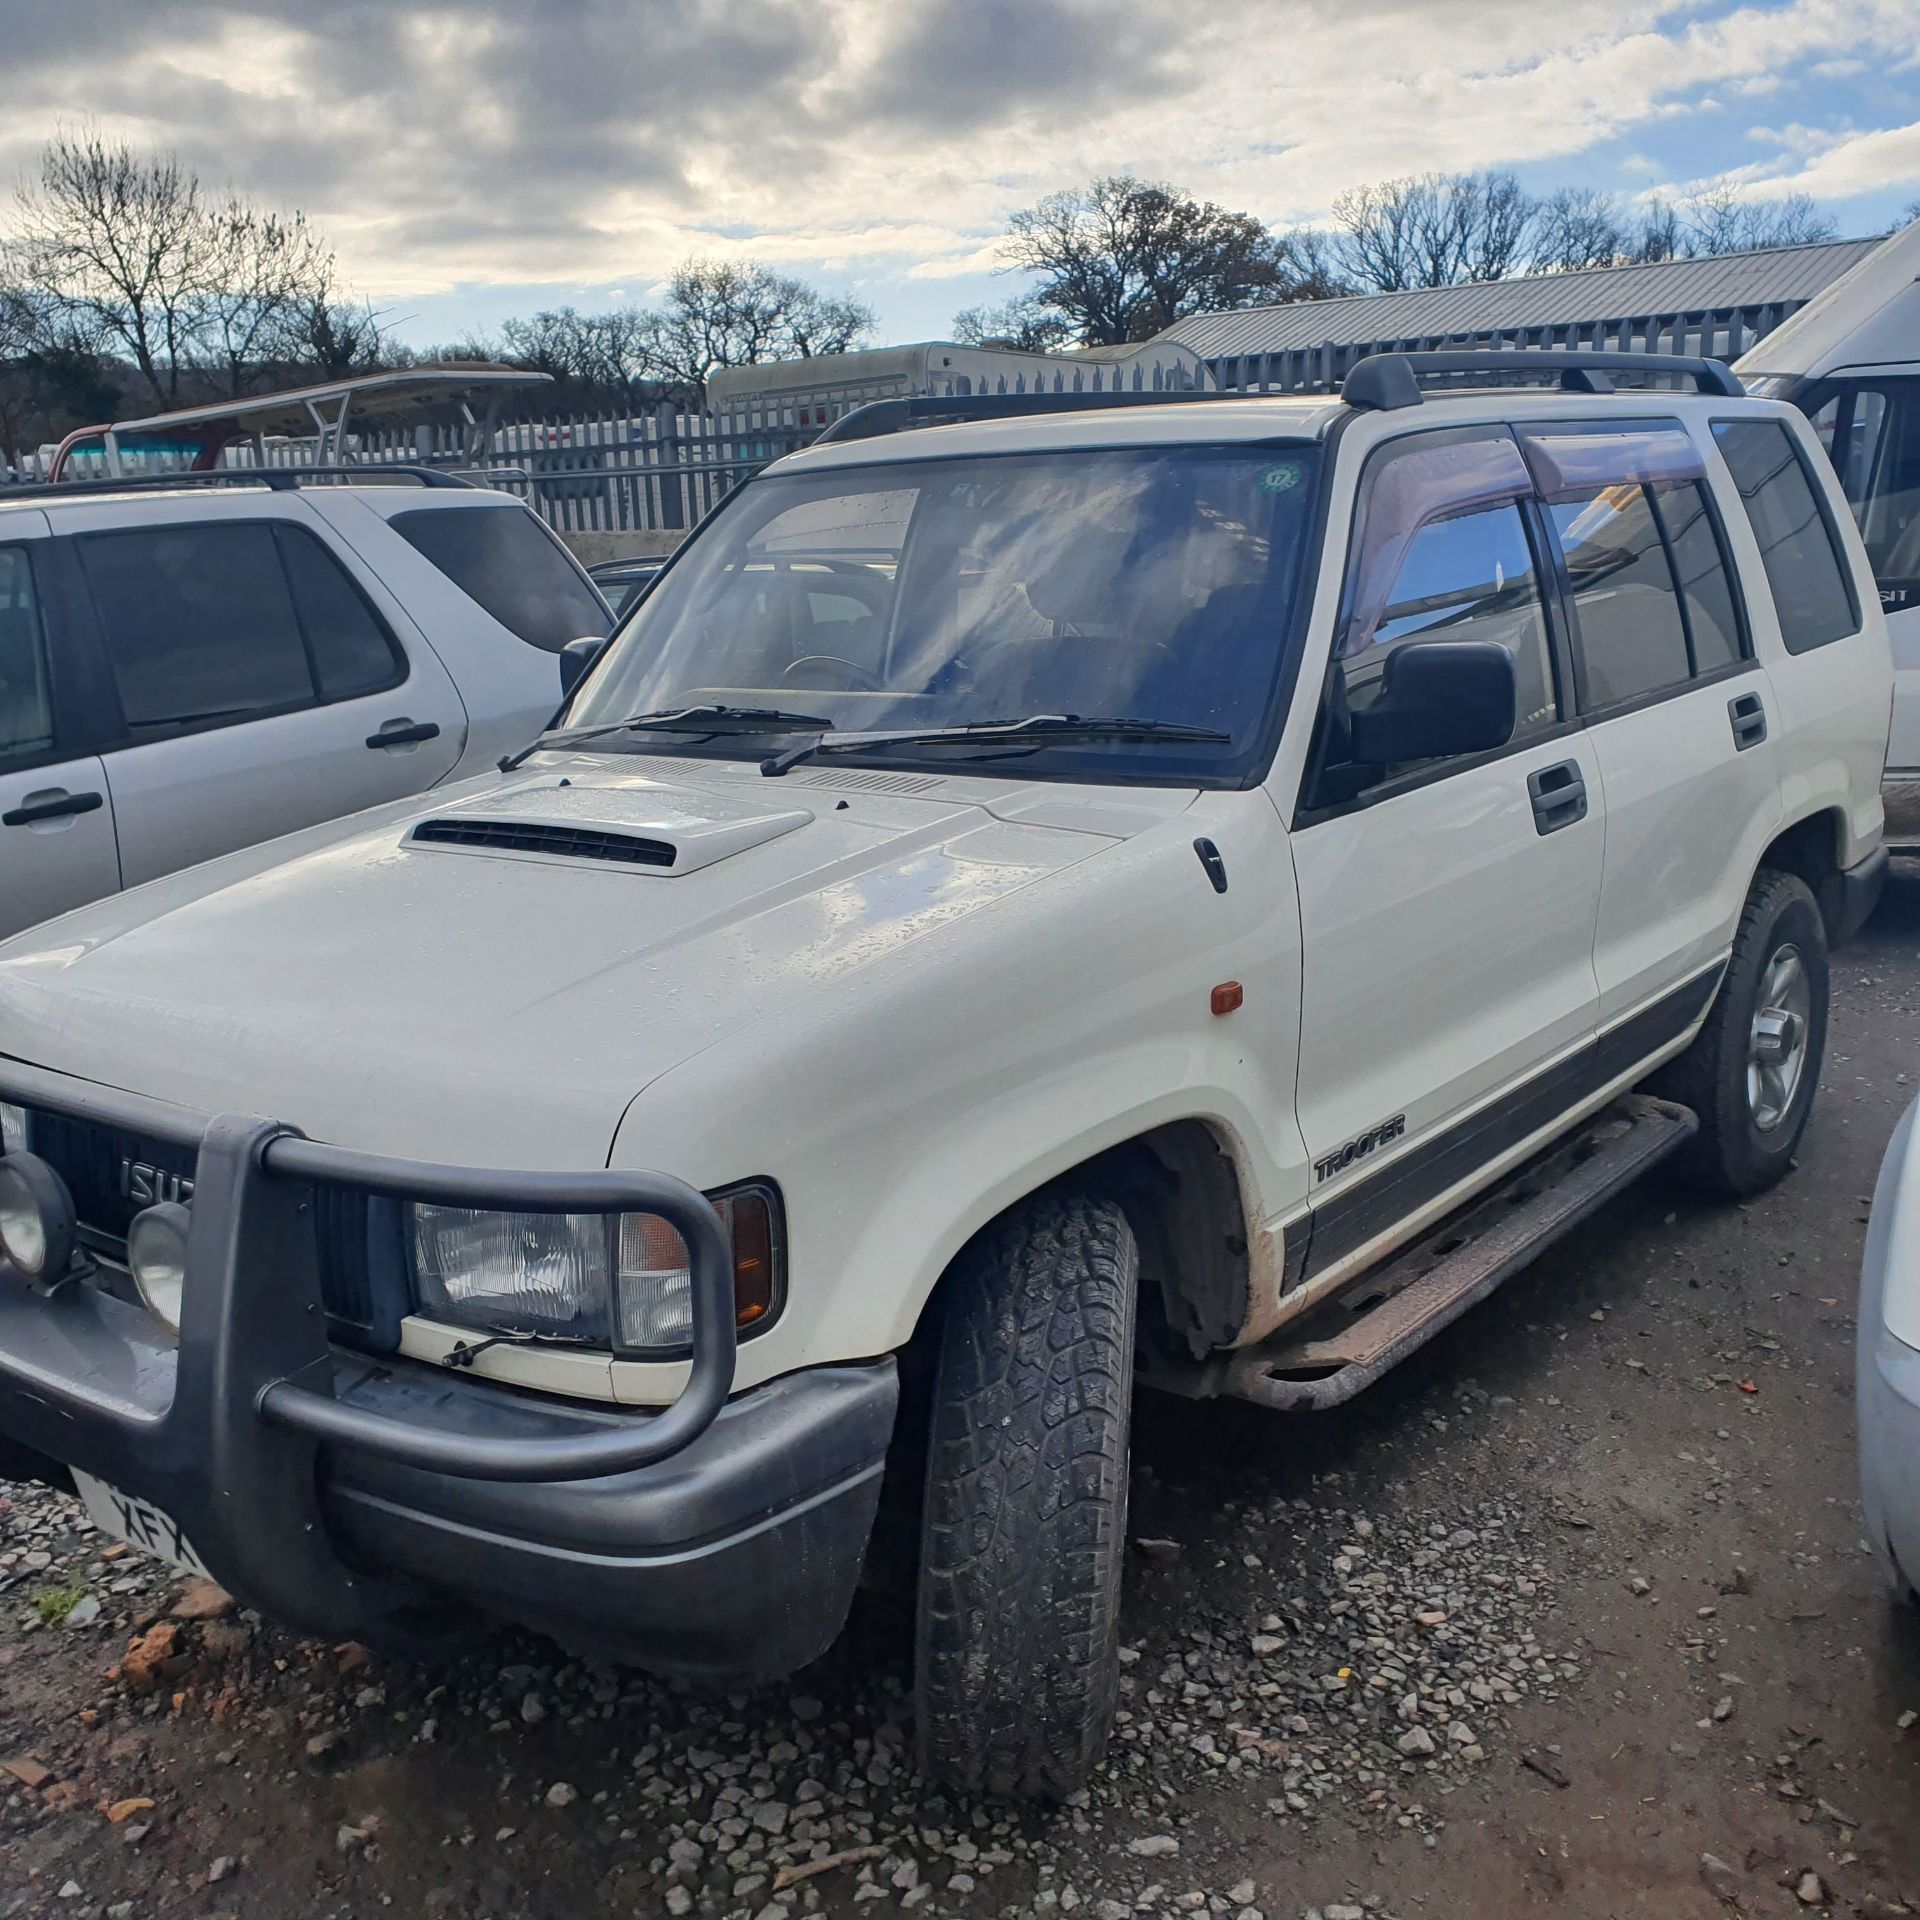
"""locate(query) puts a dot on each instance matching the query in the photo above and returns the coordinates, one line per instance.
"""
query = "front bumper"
(720, 1538)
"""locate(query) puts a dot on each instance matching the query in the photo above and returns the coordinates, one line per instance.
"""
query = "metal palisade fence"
(655, 468)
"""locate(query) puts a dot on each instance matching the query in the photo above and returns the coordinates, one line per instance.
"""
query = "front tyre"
(1751, 1072)
(1017, 1644)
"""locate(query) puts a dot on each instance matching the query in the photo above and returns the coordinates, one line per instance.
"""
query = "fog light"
(157, 1259)
(36, 1219)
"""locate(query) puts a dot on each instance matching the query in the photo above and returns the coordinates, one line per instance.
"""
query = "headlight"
(615, 1281)
(157, 1259)
(13, 1128)
(37, 1233)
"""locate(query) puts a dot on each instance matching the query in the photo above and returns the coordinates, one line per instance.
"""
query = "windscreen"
(1146, 584)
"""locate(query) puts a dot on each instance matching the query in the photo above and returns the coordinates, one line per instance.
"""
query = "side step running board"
(1378, 1319)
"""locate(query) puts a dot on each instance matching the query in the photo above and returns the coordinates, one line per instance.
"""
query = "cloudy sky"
(481, 159)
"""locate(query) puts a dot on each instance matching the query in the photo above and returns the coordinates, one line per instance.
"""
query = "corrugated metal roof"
(1789, 274)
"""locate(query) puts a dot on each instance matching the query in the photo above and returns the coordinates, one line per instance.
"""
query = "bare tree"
(1310, 261)
(332, 338)
(52, 378)
(726, 313)
(1720, 219)
(124, 244)
(606, 354)
(135, 257)
(1023, 325)
(1436, 230)
(1379, 245)
(554, 342)
(1661, 234)
(1577, 228)
(264, 272)
(1122, 259)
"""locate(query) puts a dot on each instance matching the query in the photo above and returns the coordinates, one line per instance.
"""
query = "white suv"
(1201, 890)
(195, 664)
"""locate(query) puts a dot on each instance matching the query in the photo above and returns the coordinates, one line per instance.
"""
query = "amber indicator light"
(1227, 996)
(752, 1258)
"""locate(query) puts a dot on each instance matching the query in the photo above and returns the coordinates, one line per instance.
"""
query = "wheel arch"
(1813, 849)
(1181, 1185)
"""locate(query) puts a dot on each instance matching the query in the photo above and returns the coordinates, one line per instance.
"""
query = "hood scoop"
(638, 826)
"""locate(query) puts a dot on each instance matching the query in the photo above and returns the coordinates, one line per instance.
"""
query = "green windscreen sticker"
(1281, 479)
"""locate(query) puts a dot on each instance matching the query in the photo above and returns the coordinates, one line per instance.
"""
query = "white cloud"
(496, 143)
(1841, 166)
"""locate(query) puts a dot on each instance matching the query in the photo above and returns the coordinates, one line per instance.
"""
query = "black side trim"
(1352, 1217)
(1647, 1031)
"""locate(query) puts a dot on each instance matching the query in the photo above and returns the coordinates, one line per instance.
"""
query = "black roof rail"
(1386, 381)
(274, 479)
(896, 416)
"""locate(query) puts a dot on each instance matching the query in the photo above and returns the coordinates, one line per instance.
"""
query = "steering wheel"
(858, 678)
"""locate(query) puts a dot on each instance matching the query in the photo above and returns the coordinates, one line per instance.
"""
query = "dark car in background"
(621, 582)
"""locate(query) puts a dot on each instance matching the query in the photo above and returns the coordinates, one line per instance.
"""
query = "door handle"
(404, 733)
(54, 809)
(1748, 713)
(1559, 796)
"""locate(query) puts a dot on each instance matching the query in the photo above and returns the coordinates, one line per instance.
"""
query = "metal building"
(1717, 306)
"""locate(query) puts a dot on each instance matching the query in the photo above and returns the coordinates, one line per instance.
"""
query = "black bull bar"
(225, 1428)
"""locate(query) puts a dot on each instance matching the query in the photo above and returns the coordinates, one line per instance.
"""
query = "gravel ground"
(1571, 1615)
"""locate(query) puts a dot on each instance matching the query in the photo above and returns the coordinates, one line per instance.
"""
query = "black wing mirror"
(576, 657)
(1438, 699)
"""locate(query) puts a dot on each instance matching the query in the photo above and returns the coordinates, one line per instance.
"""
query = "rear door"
(56, 824)
(1680, 717)
(260, 687)
(1447, 907)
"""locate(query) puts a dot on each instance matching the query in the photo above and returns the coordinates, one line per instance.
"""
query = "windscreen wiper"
(1037, 730)
(709, 718)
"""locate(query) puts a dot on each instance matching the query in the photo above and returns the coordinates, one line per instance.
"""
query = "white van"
(1850, 359)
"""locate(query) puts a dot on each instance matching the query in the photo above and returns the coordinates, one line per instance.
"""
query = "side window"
(504, 558)
(217, 623)
(1469, 577)
(1706, 588)
(352, 651)
(1804, 566)
(1652, 598)
(1872, 431)
(199, 624)
(26, 699)
(1441, 552)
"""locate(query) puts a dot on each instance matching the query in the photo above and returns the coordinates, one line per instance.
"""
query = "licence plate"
(138, 1522)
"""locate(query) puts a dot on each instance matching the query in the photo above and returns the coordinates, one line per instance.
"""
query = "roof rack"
(896, 416)
(1386, 381)
(274, 479)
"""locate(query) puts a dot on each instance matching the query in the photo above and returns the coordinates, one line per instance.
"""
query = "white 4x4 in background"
(192, 666)
(1093, 889)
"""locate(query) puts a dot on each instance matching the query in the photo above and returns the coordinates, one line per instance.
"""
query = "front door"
(1447, 908)
(56, 825)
